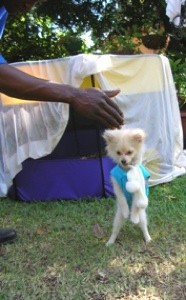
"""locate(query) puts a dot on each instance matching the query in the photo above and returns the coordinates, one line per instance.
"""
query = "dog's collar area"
(128, 167)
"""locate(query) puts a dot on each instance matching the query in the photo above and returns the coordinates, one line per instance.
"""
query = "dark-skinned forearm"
(90, 102)
(18, 84)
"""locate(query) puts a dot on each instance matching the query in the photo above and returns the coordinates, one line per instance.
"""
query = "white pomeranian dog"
(129, 178)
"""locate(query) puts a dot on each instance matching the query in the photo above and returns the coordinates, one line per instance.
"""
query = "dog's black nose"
(123, 161)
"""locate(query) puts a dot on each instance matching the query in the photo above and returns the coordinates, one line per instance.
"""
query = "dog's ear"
(108, 135)
(139, 135)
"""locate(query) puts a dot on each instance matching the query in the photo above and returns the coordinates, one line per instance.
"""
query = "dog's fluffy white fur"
(125, 147)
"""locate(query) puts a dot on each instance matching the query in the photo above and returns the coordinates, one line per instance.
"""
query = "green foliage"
(31, 37)
(118, 45)
(178, 67)
(103, 17)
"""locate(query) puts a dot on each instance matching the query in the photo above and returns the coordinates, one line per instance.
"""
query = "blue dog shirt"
(120, 176)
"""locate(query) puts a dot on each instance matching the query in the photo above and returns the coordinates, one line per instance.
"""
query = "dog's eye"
(129, 152)
(118, 153)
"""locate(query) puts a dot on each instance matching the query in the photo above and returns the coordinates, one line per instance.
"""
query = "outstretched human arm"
(90, 102)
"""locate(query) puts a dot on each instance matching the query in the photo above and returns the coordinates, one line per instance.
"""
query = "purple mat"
(77, 168)
(44, 180)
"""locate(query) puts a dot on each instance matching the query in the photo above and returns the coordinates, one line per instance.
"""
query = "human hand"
(91, 102)
(97, 105)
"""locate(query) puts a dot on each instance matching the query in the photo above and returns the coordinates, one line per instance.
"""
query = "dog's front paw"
(132, 186)
(142, 203)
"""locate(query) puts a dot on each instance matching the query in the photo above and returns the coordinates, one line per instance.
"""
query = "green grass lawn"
(61, 252)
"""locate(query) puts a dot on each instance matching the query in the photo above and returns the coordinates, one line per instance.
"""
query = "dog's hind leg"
(143, 225)
(117, 224)
(121, 199)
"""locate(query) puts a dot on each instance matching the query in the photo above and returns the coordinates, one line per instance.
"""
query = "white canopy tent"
(148, 100)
